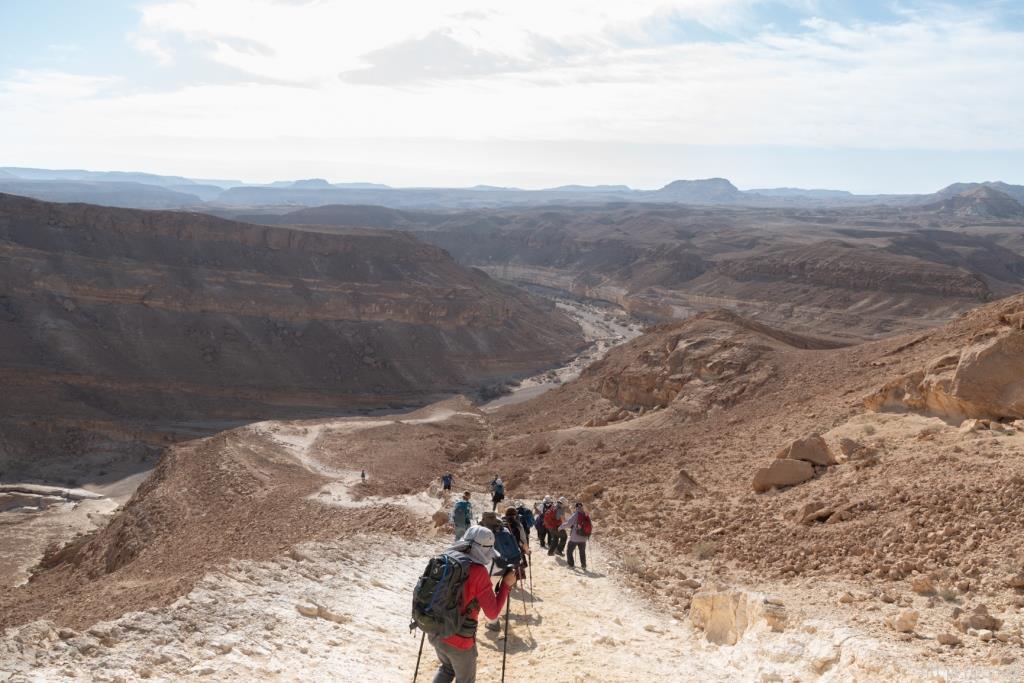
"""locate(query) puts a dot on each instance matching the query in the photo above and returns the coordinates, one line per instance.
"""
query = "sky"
(867, 96)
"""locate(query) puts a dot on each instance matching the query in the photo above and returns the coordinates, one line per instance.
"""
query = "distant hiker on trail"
(539, 510)
(446, 481)
(472, 555)
(526, 520)
(363, 475)
(497, 492)
(553, 519)
(581, 527)
(462, 515)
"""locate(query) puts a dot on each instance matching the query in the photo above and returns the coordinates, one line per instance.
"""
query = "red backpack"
(583, 525)
(551, 518)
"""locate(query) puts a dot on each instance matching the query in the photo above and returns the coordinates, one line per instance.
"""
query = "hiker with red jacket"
(458, 653)
(581, 528)
(552, 522)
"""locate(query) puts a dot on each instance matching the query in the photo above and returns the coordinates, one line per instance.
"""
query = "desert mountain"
(709, 191)
(232, 195)
(981, 201)
(1015, 191)
(124, 330)
(846, 273)
(123, 194)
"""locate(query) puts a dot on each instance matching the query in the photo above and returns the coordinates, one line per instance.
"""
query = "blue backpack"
(526, 517)
(508, 549)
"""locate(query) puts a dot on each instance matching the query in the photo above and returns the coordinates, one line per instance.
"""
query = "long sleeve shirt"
(478, 586)
(572, 523)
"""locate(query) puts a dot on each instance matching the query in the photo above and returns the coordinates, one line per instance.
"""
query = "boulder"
(440, 518)
(979, 619)
(811, 448)
(1016, 581)
(903, 622)
(726, 614)
(982, 381)
(950, 639)
(782, 472)
(922, 585)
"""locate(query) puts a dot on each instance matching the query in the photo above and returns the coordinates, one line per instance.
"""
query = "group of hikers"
(456, 585)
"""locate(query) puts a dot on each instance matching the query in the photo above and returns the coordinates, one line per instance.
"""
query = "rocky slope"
(123, 330)
(852, 274)
(723, 461)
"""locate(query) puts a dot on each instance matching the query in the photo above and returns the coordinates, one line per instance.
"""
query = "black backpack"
(437, 598)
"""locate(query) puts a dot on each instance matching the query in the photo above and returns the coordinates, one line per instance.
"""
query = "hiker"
(526, 520)
(581, 528)
(446, 481)
(508, 553)
(539, 510)
(462, 515)
(497, 492)
(516, 527)
(553, 519)
(458, 653)
(363, 475)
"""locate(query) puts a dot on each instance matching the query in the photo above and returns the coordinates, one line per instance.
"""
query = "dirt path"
(340, 611)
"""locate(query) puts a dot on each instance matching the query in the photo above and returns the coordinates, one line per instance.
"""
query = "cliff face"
(121, 326)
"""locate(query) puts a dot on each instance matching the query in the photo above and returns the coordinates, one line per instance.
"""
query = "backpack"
(525, 517)
(499, 491)
(461, 514)
(508, 549)
(551, 518)
(437, 598)
(583, 525)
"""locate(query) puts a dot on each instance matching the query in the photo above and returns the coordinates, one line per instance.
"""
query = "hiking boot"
(493, 626)
(570, 565)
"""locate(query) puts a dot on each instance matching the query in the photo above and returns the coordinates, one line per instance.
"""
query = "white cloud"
(150, 46)
(597, 71)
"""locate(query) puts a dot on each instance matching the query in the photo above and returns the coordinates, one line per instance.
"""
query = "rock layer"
(117, 326)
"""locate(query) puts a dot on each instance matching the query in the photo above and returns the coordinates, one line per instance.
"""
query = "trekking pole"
(504, 651)
(417, 671)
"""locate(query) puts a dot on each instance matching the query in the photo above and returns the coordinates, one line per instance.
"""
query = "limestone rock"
(726, 614)
(684, 486)
(811, 449)
(904, 622)
(950, 639)
(983, 381)
(979, 619)
(782, 472)
(922, 585)
(440, 518)
(307, 609)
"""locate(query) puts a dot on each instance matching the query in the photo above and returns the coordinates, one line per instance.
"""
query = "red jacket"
(478, 586)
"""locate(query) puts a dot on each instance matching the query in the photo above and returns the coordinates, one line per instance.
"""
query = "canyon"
(122, 331)
(806, 465)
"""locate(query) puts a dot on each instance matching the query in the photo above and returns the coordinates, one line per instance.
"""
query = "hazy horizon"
(870, 97)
